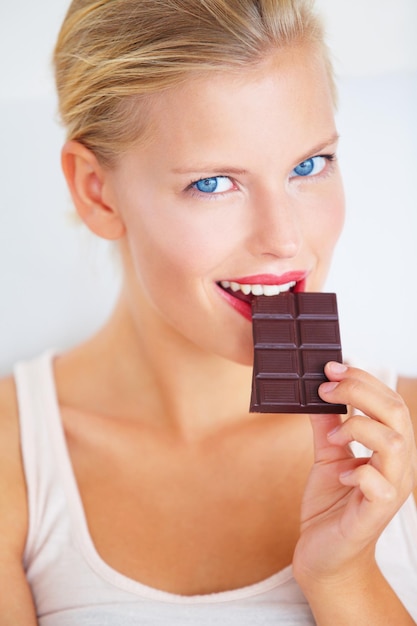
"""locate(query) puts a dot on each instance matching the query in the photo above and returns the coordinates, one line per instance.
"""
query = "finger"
(374, 487)
(324, 450)
(373, 501)
(391, 450)
(366, 393)
(372, 434)
(338, 371)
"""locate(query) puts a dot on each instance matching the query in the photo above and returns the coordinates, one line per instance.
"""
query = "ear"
(86, 178)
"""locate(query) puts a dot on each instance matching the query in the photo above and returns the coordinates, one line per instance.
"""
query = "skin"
(264, 223)
(161, 392)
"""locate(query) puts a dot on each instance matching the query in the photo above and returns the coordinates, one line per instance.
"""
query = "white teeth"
(258, 290)
(271, 290)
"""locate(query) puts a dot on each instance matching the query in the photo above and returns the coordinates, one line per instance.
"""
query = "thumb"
(322, 425)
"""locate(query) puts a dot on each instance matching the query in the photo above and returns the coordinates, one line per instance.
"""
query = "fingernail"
(337, 368)
(328, 387)
(333, 432)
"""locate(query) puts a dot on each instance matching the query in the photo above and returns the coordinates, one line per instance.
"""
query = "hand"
(348, 501)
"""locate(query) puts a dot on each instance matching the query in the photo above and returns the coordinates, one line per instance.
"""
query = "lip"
(271, 279)
(244, 308)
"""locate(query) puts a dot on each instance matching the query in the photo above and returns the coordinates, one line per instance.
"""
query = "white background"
(57, 284)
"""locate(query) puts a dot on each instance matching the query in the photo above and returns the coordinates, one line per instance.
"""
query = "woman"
(136, 486)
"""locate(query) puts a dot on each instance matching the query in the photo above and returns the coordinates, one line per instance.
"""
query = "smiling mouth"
(246, 292)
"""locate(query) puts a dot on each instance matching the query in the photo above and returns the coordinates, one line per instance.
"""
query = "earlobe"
(85, 178)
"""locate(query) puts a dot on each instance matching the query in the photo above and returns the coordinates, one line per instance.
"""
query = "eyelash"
(194, 192)
(329, 157)
(191, 189)
(327, 170)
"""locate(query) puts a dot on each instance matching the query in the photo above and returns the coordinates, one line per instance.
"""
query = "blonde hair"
(112, 54)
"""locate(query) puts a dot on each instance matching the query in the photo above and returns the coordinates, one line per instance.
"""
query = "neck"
(154, 374)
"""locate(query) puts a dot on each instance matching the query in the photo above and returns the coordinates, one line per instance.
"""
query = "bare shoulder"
(13, 501)
(407, 388)
(16, 603)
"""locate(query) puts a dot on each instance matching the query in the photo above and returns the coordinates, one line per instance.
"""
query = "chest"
(193, 519)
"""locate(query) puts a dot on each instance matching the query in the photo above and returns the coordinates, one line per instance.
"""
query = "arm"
(16, 604)
(363, 597)
(349, 501)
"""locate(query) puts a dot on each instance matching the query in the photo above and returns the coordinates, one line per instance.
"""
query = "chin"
(241, 353)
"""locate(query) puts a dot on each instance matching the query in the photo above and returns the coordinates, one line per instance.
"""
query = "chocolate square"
(295, 335)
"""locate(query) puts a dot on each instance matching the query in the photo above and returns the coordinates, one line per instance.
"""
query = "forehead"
(290, 75)
(287, 98)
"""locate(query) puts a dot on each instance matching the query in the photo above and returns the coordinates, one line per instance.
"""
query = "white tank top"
(73, 586)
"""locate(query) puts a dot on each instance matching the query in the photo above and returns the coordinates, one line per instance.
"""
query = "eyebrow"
(334, 138)
(209, 167)
(219, 167)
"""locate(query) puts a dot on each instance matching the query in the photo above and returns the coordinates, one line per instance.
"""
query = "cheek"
(329, 219)
(337, 217)
(176, 250)
(323, 229)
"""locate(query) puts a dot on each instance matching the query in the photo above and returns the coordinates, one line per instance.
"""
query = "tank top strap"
(37, 408)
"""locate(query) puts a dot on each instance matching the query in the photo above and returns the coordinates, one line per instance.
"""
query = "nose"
(275, 226)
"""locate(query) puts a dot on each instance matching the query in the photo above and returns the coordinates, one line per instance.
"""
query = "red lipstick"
(242, 303)
(271, 279)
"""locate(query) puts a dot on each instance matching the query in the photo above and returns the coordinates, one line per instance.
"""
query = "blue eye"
(310, 167)
(214, 184)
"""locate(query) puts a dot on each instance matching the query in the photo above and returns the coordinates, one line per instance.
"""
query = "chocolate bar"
(294, 335)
